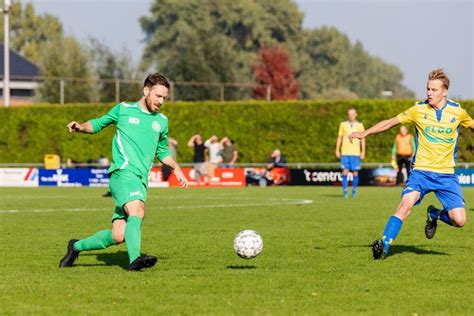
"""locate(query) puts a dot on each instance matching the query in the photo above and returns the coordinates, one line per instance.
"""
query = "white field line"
(150, 196)
(269, 202)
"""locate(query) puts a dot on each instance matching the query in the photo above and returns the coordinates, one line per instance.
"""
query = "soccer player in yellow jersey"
(437, 121)
(351, 153)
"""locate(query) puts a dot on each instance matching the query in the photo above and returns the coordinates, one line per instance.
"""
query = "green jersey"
(139, 138)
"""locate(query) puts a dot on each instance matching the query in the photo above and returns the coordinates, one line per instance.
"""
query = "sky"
(415, 35)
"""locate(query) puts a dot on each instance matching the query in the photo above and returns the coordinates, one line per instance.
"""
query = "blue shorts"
(351, 163)
(445, 186)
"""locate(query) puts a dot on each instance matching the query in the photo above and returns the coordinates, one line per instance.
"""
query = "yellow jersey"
(437, 134)
(345, 129)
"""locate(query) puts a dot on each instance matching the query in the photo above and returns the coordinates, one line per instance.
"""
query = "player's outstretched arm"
(81, 128)
(177, 170)
(362, 148)
(377, 128)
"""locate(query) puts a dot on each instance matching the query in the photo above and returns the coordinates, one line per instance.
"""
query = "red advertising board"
(223, 178)
(155, 179)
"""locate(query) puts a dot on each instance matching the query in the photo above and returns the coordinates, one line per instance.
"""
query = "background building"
(22, 78)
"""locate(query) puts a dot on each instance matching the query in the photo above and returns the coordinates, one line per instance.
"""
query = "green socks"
(133, 237)
(103, 239)
(100, 240)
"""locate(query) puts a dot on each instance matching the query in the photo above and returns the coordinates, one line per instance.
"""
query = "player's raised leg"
(449, 193)
(455, 217)
(133, 236)
(100, 240)
(380, 248)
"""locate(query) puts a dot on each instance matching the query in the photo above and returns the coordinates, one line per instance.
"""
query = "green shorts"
(125, 186)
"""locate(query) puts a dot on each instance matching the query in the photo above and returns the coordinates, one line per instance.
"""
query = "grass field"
(315, 260)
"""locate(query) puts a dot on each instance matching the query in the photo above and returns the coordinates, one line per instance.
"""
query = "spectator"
(229, 152)
(215, 148)
(277, 160)
(70, 163)
(199, 158)
(215, 156)
(172, 148)
(103, 162)
(402, 150)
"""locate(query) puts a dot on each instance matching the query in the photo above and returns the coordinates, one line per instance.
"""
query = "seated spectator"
(70, 163)
(277, 160)
(103, 162)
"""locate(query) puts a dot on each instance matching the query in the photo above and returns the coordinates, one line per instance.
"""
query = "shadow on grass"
(119, 258)
(395, 249)
(333, 195)
(240, 267)
(471, 209)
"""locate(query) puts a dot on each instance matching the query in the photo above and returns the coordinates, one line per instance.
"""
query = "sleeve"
(408, 116)
(162, 150)
(102, 122)
(361, 127)
(466, 120)
(341, 130)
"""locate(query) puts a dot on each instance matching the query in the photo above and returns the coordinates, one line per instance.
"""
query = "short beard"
(147, 105)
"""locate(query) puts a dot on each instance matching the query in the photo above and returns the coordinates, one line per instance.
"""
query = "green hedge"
(304, 130)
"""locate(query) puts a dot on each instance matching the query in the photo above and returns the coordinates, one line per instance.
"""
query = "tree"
(108, 64)
(65, 58)
(215, 41)
(40, 39)
(326, 63)
(273, 69)
(28, 31)
(333, 63)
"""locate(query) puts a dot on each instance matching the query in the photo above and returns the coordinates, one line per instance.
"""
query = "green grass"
(315, 259)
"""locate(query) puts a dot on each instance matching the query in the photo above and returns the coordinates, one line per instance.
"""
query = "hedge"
(305, 131)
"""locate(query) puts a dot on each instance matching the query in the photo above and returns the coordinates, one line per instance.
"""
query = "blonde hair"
(439, 74)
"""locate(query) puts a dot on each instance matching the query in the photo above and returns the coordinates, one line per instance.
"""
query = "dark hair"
(156, 78)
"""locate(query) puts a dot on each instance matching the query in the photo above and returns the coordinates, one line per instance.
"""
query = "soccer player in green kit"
(142, 134)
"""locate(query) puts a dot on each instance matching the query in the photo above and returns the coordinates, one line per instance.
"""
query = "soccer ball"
(248, 244)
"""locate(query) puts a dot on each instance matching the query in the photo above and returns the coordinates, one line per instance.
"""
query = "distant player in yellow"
(437, 121)
(350, 153)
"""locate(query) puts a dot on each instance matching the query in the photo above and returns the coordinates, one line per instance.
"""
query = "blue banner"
(466, 177)
(73, 177)
(98, 178)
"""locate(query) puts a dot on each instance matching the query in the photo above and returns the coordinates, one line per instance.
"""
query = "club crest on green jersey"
(156, 126)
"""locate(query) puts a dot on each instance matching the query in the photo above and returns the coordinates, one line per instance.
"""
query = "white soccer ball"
(248, 244)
